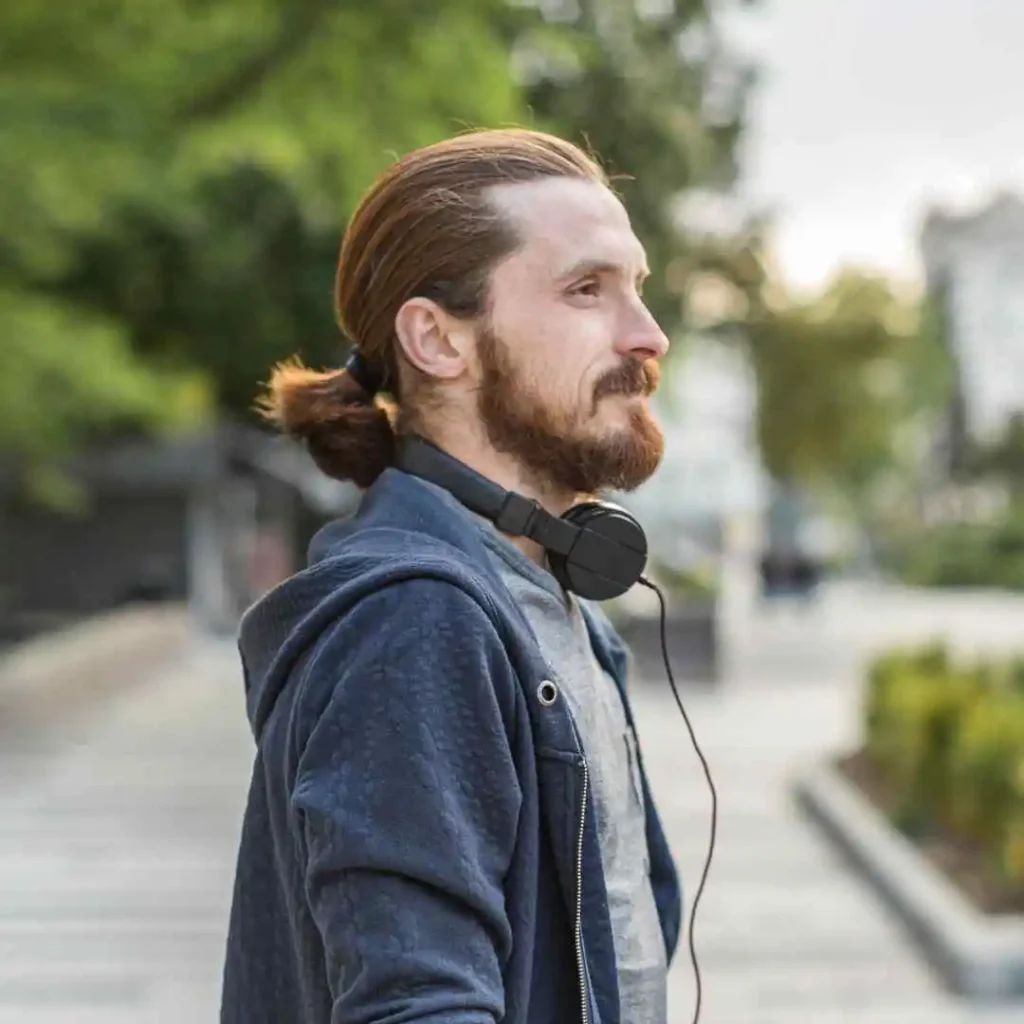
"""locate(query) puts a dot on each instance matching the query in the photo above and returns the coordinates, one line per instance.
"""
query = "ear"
(433, 341)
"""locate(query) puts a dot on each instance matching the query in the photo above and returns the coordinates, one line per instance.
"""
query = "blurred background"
(831, 194)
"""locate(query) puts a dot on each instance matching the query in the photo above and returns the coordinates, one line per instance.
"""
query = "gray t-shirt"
(617, 797)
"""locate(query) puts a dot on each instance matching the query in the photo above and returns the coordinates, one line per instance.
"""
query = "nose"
(641, 337)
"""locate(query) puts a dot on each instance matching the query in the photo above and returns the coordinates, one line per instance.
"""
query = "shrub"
(987, 554)
(948, 741)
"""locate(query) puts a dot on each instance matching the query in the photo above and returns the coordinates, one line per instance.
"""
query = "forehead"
(564, 223)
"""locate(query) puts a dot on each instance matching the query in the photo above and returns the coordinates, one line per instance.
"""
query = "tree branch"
(299, 20)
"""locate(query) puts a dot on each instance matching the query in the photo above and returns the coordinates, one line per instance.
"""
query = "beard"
(553, 444)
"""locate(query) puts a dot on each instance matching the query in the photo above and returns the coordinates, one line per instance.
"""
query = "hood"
(404, 528)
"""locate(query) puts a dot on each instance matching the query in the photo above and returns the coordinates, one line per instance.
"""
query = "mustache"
(632, 378)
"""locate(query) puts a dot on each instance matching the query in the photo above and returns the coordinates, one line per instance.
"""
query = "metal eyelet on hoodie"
(547, 693)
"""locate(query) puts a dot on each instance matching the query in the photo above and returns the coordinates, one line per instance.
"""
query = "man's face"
(568, 356)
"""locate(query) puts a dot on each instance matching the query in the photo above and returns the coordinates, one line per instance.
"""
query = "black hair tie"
(361, 372)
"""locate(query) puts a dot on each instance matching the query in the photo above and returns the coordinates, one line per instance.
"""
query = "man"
(449, 819)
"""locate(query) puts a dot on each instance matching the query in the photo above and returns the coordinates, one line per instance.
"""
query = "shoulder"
(420, 641)
(436, 620)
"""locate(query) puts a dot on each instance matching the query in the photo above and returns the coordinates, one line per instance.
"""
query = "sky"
(870, 111)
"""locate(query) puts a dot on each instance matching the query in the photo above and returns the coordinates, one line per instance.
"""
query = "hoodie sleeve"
(408, 802)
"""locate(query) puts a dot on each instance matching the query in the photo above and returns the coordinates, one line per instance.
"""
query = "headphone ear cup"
(558, 567)
(609, 555)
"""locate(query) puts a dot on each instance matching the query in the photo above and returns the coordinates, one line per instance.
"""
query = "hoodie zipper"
(581, 965)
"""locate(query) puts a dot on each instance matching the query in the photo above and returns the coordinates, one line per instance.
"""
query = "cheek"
(545, 362)
(550, 380)
(554, 351)
(561, 377)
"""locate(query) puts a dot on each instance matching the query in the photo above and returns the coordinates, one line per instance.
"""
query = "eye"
(590, 288)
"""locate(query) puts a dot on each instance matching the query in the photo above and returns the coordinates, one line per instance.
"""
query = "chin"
(618, 416)
(621, 432)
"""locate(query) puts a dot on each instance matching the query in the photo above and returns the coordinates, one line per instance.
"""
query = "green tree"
(68, 373)
(120, 121)
(245, 283)
(852, 382)
(843, 379)
(176, 176)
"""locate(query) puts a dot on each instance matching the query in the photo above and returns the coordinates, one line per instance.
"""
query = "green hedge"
(947, 740)
(965, 555)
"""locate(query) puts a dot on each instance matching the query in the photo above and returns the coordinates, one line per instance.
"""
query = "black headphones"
(595, 550)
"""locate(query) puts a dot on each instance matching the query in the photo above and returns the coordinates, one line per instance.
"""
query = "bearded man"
(449, 819)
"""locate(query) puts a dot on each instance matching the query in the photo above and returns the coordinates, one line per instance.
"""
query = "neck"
(509, 473)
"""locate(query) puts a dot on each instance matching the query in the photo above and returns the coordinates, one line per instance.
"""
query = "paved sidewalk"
(785, 932)
(118, 854)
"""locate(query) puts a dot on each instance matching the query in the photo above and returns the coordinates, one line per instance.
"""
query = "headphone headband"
(596, 550)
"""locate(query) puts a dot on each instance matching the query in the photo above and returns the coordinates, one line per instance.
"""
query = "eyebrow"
(597, 265)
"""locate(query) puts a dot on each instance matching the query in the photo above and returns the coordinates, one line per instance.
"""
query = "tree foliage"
(851, 381)
(838, 377)
(176, 174)
(135, 139)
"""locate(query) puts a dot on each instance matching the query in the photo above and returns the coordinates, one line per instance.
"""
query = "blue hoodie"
(418, 844)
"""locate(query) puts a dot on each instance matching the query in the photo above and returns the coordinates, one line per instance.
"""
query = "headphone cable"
(711, 786)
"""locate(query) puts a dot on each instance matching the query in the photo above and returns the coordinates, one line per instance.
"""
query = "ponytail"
(347, 431)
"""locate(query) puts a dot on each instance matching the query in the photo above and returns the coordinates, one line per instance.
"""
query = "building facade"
(974, 266)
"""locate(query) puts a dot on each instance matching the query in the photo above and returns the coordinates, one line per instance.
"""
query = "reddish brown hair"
(424, 228)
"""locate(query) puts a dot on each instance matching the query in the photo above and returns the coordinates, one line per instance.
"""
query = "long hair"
(425, 228)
